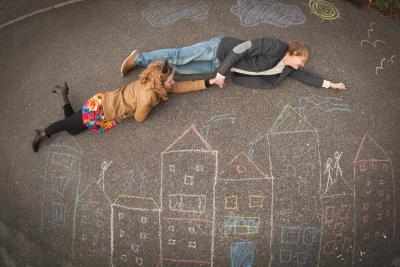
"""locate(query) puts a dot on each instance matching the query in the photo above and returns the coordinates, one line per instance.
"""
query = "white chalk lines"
(39, 12)
(374, 44)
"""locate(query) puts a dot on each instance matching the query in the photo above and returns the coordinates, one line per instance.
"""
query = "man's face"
(169, 82)
(297, 62)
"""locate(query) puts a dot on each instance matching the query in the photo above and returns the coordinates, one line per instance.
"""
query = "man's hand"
(337, 86)
(218, 80)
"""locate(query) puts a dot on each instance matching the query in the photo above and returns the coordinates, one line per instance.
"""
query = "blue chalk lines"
(164, 15)
(325, 104)
(254, 12)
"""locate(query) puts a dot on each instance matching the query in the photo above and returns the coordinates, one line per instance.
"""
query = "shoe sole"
(126, 60)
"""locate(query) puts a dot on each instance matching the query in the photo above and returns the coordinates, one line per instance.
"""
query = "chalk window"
(369, 182)
(58, 184)
(171, 228)
(385, 167)
(120, 215)
(121, 233)
(84, 237)
(188, 180)
(231, 203)
(365, 206)
(330, 214)
(365, 218)
(171, 241)
(143, 235)
(139, 261)
(199, 168)
(344, 211)
(135, 248)
(143, 220)
(192, 244)
(363, 168)
(63, 159)
(387, 196)
(172, 168)
(379, 216)
(379, 204)
(58, 212)
(191, 230)
(256, 201)
(366, 236)
(381, 182)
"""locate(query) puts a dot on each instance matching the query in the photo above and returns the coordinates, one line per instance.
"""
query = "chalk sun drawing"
(164, 15)
(324, 9)
(254, 12)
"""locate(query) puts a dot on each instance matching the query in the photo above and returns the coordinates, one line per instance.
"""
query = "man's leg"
(205, 51)
(197, 67)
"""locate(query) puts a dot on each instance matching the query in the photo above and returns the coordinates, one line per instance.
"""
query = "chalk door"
(242, 254)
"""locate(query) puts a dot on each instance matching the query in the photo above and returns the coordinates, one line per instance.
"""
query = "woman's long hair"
(155, 75)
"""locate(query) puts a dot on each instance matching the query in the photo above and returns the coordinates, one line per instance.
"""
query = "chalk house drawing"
(188, 179)
(243, 218)
(255, 12)
(134, 231)
(338, 216)
(162, 15)
(295, 165)
(93, 221)
(61, 181)
(374, 201)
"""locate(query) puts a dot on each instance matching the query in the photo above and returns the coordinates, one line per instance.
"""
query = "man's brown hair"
(298, 49)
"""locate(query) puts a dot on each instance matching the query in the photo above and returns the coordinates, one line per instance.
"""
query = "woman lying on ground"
(105, 110)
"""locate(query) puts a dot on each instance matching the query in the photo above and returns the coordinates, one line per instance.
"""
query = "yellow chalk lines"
(324, 9)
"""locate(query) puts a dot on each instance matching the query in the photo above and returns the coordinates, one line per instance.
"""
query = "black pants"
(72, 123)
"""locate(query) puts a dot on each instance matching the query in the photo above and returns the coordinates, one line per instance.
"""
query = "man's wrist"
(326, 84)
(220, 76)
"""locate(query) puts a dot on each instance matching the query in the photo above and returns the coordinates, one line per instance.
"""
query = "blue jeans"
(195, 59)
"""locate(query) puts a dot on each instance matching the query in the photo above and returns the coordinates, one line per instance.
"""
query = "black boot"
(62, 92)
(37, 139)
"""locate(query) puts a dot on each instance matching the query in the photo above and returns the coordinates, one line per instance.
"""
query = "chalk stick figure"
(328, 169)
(338, 170)
(104, 167)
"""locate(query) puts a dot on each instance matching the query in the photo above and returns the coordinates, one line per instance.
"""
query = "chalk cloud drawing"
(324, 9)
(325, 104)
(207, 126)
(374, 201)
(163, 15)
(255, 12)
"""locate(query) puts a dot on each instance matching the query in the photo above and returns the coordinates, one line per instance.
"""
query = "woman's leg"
(73, 124)
(205, 51)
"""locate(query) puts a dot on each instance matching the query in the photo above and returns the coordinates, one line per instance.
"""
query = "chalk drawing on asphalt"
(374, 200)
(207, 126)
(60, 195)
(336, 185)
(255, 12)
(163, 15)
(324, 9)
(325, 104)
